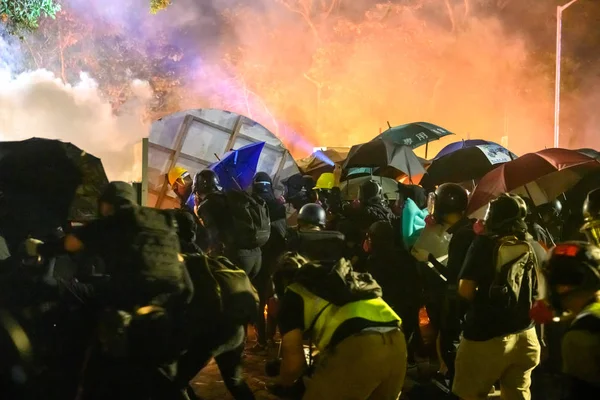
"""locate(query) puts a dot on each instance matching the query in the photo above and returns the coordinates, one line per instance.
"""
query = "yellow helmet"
(325, 181)
(176, 173)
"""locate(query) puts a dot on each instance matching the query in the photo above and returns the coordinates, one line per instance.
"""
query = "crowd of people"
(169, 290)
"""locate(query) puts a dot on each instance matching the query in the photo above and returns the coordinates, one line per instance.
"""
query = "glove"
(31, 247)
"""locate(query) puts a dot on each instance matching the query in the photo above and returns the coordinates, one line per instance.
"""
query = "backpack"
(515, 282)
(251, 226)
(340, 284)
(223, 292)
(152, 255)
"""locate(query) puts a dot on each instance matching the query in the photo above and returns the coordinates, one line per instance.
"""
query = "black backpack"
(153, 253)
(514, 286)
(339, 284)
(251, 227)
(222, 291)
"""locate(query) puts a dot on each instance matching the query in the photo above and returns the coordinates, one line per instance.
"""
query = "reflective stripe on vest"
(375, 310)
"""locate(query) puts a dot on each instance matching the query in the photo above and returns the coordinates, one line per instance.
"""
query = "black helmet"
(575, 264)
(505, 212)
(370, 189)
(312, 214)
(287, 267)
(448, 198)
(206, 181)
(591, 215)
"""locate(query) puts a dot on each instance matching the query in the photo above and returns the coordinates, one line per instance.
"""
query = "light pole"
(559, 11)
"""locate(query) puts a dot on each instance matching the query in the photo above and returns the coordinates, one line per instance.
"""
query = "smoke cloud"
(37, 104)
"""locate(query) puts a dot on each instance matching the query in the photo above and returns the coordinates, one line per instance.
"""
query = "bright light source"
(315, 149)
(556, 319)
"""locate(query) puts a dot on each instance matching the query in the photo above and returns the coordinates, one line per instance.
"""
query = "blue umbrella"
(237, 167)
(452, 147)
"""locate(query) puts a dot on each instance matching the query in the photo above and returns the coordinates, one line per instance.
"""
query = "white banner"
(496, 154)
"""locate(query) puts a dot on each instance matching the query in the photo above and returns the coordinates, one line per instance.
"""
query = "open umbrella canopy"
(463, 144)
(415, 134)
(44, 183)
(350, 188)
(541, 176)
(237, 168)
(322, 161)
(466, 163)
(595, 154)
(381, 153)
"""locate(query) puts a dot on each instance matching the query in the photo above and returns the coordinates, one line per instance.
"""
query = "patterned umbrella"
(45, 182)
(465, 164)
(541, 176)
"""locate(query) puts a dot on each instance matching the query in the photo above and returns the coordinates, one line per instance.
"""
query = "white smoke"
(38, 104)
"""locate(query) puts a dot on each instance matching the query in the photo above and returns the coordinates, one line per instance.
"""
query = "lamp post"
(559, 11)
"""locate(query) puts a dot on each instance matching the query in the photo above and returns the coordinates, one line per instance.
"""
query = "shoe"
(440, 381)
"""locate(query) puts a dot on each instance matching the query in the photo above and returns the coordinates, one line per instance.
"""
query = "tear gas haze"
(328, 73)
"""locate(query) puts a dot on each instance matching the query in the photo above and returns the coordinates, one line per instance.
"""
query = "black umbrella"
(380, 153)
(415, 134)
(466, 164)
(44, 183)
(595, 154)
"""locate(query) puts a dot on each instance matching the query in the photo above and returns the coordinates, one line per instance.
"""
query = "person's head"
(550, 212)
(312, 216)
(572, 273)
(370, 191)
(380, 238)
(205, 183)
(287, 267)
(414, 192)
(262, 183)
(448, 203)
(506, 215)
(591, 215)
(115, 196)
(181, 182)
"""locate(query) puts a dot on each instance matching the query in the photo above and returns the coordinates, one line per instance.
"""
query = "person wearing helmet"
(181, 183)
(323, 188)
(311, 240)
(215, 211)
(591, 216)
(362, 351)
(262, 187)
(146, 281)
(498, 331)
(448, 223)
(572, 272)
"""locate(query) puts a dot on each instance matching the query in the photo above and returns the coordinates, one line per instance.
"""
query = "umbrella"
(351, 187)
(44, 183)
(322, 161)
(237, 168)
(381, 153)
(415, 134)
(541, 176)
(595, 154)
(452, 147)
(465, 164)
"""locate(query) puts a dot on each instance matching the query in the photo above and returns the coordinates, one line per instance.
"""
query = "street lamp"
(559, 11)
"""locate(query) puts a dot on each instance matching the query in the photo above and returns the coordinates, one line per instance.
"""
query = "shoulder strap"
(310, 330)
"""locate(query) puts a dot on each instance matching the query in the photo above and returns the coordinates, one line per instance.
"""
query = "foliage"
(24, 15)
(158, 5)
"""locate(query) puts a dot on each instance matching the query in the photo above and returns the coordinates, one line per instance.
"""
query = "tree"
(21, 16)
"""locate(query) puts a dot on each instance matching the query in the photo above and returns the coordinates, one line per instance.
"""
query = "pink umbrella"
(541, 176)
